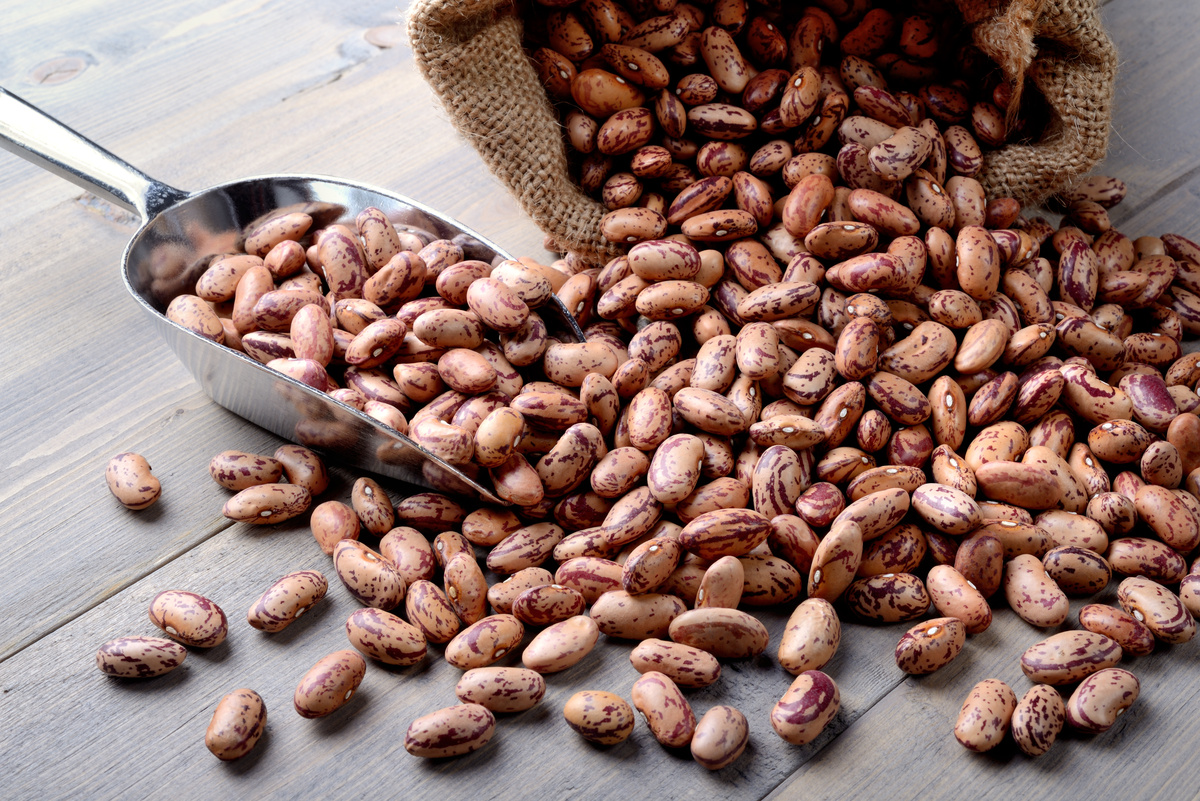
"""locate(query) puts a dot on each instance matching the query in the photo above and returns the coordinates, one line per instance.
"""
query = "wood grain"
(932, 764)
(1155, 142)
(197, 93)
(124, 731)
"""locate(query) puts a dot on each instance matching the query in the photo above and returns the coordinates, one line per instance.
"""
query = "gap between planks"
(862, 714)
(117, 589)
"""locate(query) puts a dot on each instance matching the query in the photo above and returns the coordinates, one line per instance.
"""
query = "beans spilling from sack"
(690, 471)
(828, 366)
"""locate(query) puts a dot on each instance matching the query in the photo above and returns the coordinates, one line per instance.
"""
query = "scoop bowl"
(181, 230)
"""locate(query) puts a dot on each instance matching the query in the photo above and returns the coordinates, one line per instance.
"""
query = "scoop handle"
(37, 137)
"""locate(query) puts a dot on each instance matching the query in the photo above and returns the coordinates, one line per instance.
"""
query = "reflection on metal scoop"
(181, 230)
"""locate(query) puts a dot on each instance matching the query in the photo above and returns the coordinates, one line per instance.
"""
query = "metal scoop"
(181, 230)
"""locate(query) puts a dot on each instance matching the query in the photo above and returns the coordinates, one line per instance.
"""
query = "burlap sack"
(470, 53)
(1073, 64)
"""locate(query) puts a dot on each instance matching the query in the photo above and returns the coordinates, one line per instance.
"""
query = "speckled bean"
(1032, 594)
(189, 618)
(130, 481)
(139, 657)
(1077, 571)
(484, 642)
(635, 617)
(385, 637)
(329, 684)
(1141, 556)
(1158, 608)
(1069, 657)
(427, 608)
(888, 598)
(948, 510)
(720, 737)
(303, 468)
(1038, 719)
(371, 579)
(685, 665)
(501, 689)
(722, 584)
(985, 715)
(237, 470)
(561, 645)
(665, 709)
(809, 705)
(1132, 635)
(287, 599)
(599, 717)
(930, 645)
(811, 637)
(267, 504)
(725, 633)
(953, 595)
(591, 576)
(237, 725)
(1102, 698)
(449, 732)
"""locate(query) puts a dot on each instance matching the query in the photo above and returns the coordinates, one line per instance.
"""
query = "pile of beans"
(703, 120)
(851, 377)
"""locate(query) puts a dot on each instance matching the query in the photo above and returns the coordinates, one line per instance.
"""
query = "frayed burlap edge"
(469, 51)
(1063, 48)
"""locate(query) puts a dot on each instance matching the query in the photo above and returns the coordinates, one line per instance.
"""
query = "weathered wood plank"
(125, 733)
(1155, 141)
(296, 88)
(908, 737)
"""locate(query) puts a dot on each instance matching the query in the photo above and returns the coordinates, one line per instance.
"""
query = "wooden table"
(196, 93)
